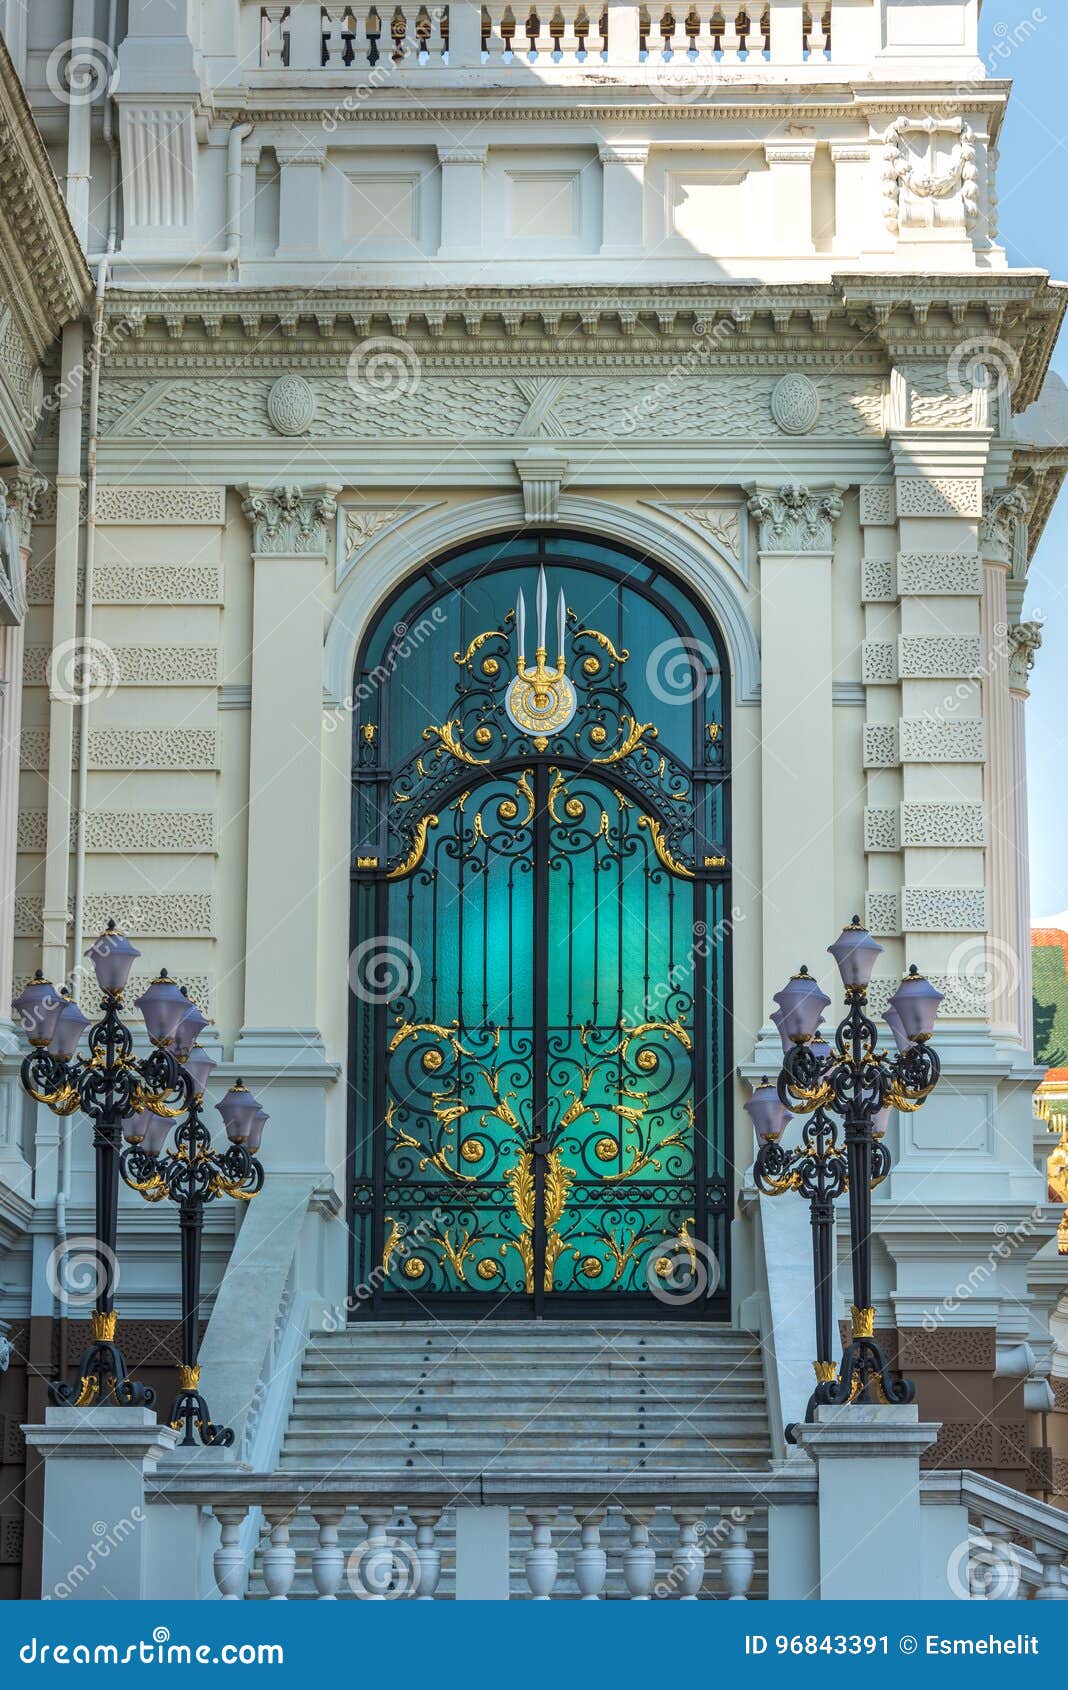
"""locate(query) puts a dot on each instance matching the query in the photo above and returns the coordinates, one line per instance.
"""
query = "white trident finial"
(540, 700)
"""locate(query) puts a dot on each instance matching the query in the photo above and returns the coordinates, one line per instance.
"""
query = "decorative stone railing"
(392, 1550)
(587, 35)
(1017, 1547)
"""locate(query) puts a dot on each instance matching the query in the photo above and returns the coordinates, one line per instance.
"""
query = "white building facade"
(709, 319)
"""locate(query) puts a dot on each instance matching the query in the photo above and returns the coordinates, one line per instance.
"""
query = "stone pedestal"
(869, 1516)
(95, 1537)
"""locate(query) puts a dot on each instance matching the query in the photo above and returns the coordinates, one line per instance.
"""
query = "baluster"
(427, 1554)
(731, 41)
(670, 28)
(541, 1560)
(280, 1558)
(328, 1557)
(353, 38)
(440, 37)
(591, 1562)
(639, 1559)
(327, 47)
(763, 45)
(1050, 1560)
(690, 1555)
(567, 41)
(997, 1567)
(398, 29)
(497, 39)
(736, 1558)
(229, 1559)
(536, 29)
(704, 42)
(716, 27)
(587, 40)
(376, 1562)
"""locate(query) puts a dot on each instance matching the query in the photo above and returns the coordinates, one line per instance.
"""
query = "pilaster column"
(941, 742)
(69, 485)
(1024, 641)
(796, 543)
(462, 191)
(291, 543)
(623, 200)
(1002, 937)
(300, 193)
(19, 496)
(790, 164)
(852, 173)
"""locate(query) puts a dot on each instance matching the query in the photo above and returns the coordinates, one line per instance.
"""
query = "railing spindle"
(328, 1558)
(591, 1562)
(737, 1559)
(279, 1558)
(639, 1558)
(690, 1555)
(229, 1559)
(541, 1560)
(427, 1554)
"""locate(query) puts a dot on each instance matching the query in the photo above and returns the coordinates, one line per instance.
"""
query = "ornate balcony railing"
(511, 34)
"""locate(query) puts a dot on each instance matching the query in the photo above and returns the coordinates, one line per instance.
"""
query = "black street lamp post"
(191, 1175)
(854, 1080)
(109, 1085)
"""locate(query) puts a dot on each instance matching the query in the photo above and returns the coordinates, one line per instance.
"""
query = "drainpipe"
(231, 253)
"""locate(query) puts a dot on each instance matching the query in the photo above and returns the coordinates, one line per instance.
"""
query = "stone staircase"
(540, 1397)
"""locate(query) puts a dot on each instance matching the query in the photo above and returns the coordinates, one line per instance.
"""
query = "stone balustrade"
(1016, 1547)
(383, 1538)
(569, 34)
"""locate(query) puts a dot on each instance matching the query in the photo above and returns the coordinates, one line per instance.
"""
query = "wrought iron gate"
(540, 1040)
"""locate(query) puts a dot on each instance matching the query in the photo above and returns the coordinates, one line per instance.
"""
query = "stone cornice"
(869, 318)
(574, 100)
(42, 267)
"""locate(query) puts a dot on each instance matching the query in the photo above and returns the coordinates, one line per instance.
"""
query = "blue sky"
(1033, 189)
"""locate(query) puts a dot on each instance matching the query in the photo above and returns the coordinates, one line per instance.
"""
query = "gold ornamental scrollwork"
(662, 849)
(417, 851)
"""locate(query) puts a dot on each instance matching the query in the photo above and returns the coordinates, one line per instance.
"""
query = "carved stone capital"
(23, 490)
(541, 474)
(1003, 529)
(290, 521)
(624, 153)
(20, 496)
(462, 155)
(1024, 641)
(796, 518)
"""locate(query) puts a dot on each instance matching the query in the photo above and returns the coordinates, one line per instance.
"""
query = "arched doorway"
(540, 1036)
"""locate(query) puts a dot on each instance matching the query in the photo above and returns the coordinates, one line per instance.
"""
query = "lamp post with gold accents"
(855, 1081)
(109, 1086)
(191, 1175)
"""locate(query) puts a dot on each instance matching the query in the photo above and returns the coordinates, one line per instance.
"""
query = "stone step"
(455, 1405)
(442, 1462)
(446, 1384)
(728, 1420)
